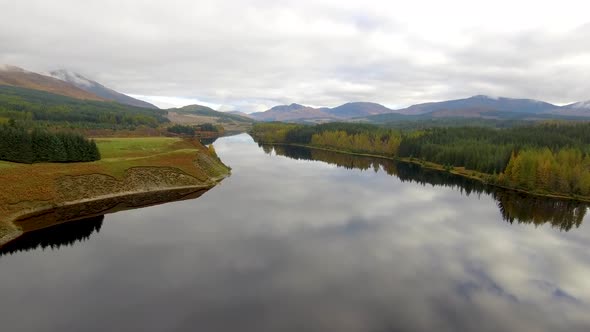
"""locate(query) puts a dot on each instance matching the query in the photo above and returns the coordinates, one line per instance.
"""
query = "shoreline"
(438, 167)
(27, 220)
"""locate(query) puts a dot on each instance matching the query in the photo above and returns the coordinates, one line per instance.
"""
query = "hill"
(208, 111)
(98, 89)
(199, 114)
(18, 77)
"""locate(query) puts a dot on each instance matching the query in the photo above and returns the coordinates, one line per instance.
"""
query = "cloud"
(170, 102)
(253, 54)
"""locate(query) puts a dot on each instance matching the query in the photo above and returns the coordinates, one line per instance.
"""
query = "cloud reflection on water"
(301, 245)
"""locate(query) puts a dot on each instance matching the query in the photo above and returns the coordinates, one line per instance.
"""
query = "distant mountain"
(297, 112)
(478, 105)
(484, 107)
(358, 109)
(576, 109)
(18, 77)
(293, 112)
(98, 89)
(287, 108)
(585, 105)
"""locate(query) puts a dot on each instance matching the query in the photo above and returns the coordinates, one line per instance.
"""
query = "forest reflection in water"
(55, 237)
(514, 206)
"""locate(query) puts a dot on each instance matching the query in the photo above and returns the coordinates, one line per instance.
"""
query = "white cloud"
(253, 53)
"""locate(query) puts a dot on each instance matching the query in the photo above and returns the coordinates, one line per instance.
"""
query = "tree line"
(20, 145)
(564, 171)
(514, 207)
(192, 130)
(351, 137)
(546, 158)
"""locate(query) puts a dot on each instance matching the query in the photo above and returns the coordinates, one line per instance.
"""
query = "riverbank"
(459, 171)
(154, 169)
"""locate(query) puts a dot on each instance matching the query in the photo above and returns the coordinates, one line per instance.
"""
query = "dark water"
(302, 240)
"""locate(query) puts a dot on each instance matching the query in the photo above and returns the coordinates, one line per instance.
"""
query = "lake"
(310, 240)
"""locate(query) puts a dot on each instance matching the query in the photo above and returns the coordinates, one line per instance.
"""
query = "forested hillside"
(26, 105)
(207, 111)
(548, 158)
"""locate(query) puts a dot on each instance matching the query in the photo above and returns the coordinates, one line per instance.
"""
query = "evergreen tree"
(20, 145)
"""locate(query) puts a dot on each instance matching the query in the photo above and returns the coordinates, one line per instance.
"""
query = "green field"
(120, 154)
(125, 147)
(5, 164)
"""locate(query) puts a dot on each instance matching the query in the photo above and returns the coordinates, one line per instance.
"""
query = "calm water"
(300, 240)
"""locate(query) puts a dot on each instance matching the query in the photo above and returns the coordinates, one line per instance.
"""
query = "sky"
(250, 55)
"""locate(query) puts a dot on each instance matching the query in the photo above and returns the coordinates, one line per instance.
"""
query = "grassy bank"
(127, 165)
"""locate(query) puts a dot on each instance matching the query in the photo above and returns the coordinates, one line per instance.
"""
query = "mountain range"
(479, 106)
(297, 112)
(67, 83)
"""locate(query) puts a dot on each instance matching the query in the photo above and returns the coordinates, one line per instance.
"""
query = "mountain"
(98, 89)
(18, 77)
(286, 108)
(297, 112)
(478, 105)
(580, 105)
(576, 109)
(358, 109)
(293, 112)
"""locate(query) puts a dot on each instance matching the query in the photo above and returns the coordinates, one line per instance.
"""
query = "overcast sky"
(250, 55)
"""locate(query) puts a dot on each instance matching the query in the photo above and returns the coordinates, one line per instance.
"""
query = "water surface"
(301, 240)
